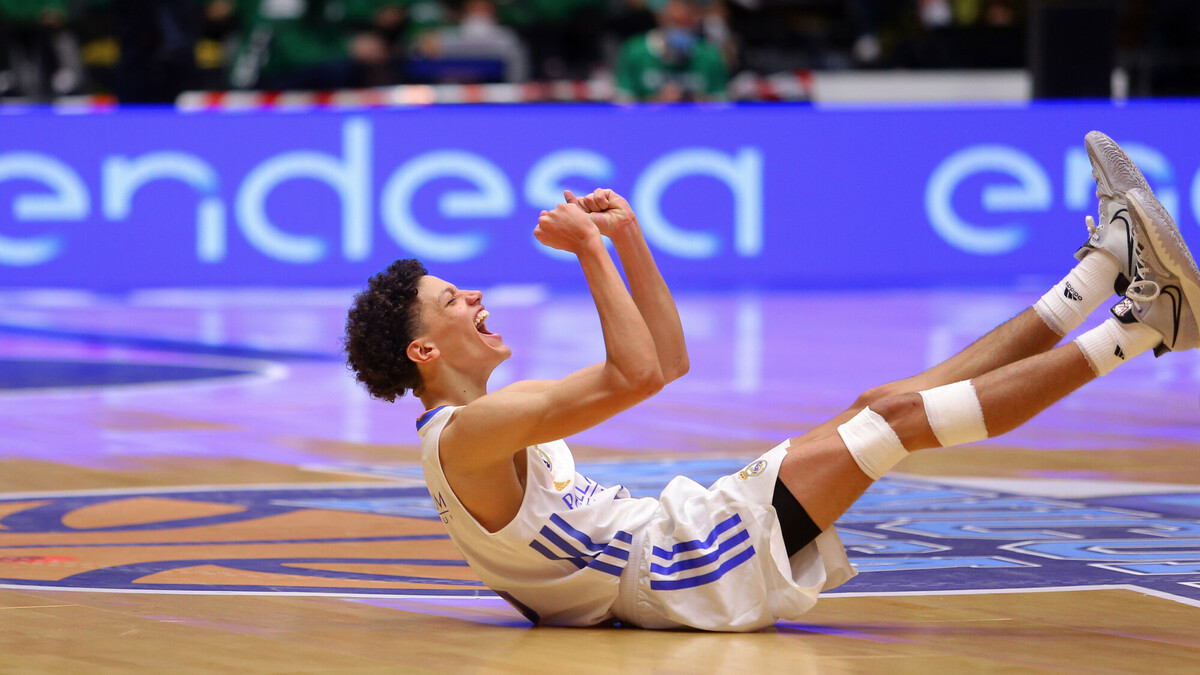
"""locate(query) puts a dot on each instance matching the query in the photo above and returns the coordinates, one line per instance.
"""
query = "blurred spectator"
(672, 62)
(563, 36)
(39, 59)
(714, 26)
(316, 44)
(476, 49)
(150, 50)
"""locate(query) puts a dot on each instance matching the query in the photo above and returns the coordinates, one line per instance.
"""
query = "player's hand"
(566, 228)
(607, 209)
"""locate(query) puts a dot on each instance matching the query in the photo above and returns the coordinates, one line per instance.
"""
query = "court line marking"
(1162, 595)
(277, 594)
(391, 482)
(35, 607)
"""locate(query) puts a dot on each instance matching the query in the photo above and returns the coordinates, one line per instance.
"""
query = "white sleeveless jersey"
(559, 561)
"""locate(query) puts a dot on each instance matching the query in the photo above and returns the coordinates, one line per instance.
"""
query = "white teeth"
(481, 317)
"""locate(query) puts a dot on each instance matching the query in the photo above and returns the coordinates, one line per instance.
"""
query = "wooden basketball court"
(191, 482)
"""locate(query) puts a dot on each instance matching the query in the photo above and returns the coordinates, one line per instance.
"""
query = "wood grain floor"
(94, 479)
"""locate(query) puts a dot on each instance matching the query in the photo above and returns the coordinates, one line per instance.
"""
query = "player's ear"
(422, 351)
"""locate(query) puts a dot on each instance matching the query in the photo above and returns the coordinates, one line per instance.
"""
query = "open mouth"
(480, 322)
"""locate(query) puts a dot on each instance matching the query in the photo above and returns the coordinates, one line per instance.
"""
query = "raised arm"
(495, 426)
(613, 217)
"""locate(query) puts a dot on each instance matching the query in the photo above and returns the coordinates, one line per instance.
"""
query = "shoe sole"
(1114, 172)
(1168, 245)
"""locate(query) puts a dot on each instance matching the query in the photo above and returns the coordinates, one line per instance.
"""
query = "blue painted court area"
(904, 535)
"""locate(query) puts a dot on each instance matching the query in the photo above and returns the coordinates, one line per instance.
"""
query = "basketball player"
(758, 545)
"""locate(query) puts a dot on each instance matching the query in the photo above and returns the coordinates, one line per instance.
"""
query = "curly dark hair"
(379, 327)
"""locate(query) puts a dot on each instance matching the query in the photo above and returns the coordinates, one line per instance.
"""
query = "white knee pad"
(872, 443)
(954, 413)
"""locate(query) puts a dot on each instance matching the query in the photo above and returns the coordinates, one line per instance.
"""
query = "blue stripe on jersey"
(591, 546)
(426, 416)
(702, 579)
(615, 552)
(541, 548)
(605, 567)
(702, 560)
(581, 559)
(558, 541)
(696, 544)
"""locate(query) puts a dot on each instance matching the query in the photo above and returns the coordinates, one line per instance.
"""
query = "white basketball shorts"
(715, 559)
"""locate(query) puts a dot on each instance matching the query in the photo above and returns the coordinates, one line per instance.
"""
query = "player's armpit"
(500, 424)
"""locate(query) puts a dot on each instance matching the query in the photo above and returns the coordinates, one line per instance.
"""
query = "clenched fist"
(566, 228)
(607, 209)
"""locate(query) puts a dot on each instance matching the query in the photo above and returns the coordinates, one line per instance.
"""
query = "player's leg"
(1106, 262)
(826, 477)
(827, 472)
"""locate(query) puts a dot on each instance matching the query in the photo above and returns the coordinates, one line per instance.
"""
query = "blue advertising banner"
(762, 196)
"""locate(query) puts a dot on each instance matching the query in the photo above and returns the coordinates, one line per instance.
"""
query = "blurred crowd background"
(148, 51)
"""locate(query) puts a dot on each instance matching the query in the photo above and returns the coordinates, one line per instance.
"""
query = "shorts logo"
(753, 470)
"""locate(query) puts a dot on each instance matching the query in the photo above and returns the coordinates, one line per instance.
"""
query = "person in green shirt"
(671, 62)
(319, 44)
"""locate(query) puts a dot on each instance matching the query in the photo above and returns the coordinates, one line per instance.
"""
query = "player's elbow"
(682, 366)
(653, 384)
(674, 368)
(645, 382)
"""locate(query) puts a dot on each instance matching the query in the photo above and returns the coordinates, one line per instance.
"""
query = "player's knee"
(875, 394)
(905, 414)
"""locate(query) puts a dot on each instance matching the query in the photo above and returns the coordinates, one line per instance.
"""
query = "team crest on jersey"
(753, 470)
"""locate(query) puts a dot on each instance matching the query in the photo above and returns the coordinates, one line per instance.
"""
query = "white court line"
(406, 596)
(1003, 591)
(1031, 487)
(281, 594)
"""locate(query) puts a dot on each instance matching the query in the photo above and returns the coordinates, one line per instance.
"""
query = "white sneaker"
(1115, 175)
(1165, 292)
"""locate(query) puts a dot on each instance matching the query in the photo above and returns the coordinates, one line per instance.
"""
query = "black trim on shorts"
(798, 527)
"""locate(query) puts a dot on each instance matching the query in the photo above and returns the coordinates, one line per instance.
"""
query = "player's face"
(456, 322)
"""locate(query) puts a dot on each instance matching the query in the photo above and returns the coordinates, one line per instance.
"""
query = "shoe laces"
(1141, 289)
(1091, 226)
